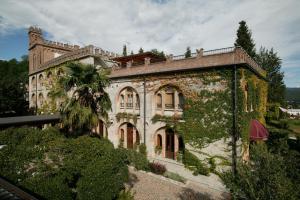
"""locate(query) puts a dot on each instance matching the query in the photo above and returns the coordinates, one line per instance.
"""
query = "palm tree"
(83, 97)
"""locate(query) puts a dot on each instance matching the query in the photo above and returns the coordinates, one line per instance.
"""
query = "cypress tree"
(124, 50)
(141, 50)
(244, 39)
(188, 52)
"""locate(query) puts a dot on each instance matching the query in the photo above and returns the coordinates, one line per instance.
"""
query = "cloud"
(169, 25)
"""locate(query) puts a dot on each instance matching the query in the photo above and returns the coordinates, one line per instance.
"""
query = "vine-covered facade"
(171, 104)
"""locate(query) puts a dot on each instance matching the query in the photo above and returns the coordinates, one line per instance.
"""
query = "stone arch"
(33, 81)
(128, 135)
(41, 99)
(168, 98)
(128, 100)
(49, 77)
(168, 142)
(33, 99)
(41, 80)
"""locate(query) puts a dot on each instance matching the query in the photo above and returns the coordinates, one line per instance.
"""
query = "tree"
(141, 50)
(13, 87)
(270, 61)
(124, 50)
(188, 52)
(159, 53)
(244, 39)
(88, 100)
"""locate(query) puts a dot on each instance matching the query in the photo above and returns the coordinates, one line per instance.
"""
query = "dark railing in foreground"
(11, 192)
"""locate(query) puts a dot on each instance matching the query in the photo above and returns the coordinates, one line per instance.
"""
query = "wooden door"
(129, 137)
(170, 144)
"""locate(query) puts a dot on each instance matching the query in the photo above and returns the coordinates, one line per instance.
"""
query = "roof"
(208, 59)
(28, 120)
(225, 57)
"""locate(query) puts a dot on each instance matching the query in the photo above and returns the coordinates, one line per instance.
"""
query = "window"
(246, 98)
(122, 101)
(41, 99)
(129, 103)
(41, 80)
(137, 101)
(33, 82)
(169, 100)
(33, 98)
(49, 77)
(181, 101)
(158, 101)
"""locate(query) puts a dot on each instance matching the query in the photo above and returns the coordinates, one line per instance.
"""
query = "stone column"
(147, 61)
(176, 145)
(163, 146)
(162, 101)
(125, 135)
(133, 101)
(134, 135)
(176, 100)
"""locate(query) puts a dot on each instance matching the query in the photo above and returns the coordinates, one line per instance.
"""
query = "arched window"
(41, 99)
(33, 81)
(158, 101)
(246, 98)
(41, 79)
(33, 98)
(60, 72)
(129, 99)
(49, 78)
(122, 101)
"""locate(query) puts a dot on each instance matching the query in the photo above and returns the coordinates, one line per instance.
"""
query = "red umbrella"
(258, 131)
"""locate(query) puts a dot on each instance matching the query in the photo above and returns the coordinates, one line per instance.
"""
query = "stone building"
(147, 89)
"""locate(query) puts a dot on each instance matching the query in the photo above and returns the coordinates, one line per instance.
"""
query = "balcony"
(169, 106)
(129, 105)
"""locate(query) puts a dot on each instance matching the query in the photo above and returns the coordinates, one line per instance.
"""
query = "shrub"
(136, 159)
(175, 177)
(102, 179)
(157, 168)
(143, 149)
(126, 195)
(263, 178)
(55, 167)
(191, 162)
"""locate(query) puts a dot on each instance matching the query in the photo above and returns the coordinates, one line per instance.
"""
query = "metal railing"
(169, 106)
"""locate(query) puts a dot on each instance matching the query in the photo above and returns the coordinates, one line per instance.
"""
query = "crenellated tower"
(41, 51)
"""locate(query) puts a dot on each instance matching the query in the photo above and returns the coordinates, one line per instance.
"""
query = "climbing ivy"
(127, 117)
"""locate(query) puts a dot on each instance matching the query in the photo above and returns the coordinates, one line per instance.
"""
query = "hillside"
(292, 94)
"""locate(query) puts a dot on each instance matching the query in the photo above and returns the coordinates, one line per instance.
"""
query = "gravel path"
(148, 186)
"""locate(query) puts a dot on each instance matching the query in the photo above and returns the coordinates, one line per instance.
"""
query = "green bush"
(102, 179)
(174, 176)
(143, 149)
(135, 159)
(264, 177)
(55, 167)
(191, 162)
(126, 195)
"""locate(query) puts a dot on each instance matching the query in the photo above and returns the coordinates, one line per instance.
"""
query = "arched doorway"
(128, 135)
(167, 143)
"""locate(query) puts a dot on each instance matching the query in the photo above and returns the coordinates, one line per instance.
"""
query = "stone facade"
(142, 91)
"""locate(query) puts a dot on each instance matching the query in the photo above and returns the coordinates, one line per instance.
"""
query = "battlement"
(55, 44)
(35, 29)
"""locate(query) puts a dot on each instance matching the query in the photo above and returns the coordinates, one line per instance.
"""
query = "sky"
(168, 25)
